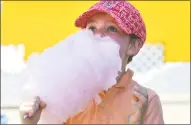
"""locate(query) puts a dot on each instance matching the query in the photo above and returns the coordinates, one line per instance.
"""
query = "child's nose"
(101, 33)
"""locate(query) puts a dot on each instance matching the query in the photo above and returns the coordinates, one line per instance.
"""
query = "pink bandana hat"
(125, 14)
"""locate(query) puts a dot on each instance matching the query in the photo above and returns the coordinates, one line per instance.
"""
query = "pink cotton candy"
(70, 74)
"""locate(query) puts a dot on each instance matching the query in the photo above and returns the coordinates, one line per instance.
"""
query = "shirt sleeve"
(154, 113)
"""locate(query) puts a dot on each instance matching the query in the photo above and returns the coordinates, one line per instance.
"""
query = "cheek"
(118, 39)
(121, 42)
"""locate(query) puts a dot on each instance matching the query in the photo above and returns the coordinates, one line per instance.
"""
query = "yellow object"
(41, 24)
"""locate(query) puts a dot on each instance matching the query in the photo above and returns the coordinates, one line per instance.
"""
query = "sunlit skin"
(105, 25)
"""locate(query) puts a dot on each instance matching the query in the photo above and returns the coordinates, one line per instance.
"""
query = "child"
(123, 23)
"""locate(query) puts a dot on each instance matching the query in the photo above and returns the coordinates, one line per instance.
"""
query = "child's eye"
(92, 28)
(112, 29)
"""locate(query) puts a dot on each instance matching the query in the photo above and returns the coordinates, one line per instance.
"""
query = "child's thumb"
(42, 105)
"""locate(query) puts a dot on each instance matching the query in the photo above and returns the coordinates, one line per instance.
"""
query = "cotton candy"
(70, 74)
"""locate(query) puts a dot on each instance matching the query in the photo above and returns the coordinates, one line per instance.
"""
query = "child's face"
(105, 25)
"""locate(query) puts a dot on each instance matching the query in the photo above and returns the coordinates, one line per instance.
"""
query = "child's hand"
(30, 111)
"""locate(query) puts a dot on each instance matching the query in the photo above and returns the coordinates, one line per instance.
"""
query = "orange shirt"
(90, 115)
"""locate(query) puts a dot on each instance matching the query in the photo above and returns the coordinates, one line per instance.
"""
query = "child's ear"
(134, 47)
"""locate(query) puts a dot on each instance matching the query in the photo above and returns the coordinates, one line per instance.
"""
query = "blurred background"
(163, 63)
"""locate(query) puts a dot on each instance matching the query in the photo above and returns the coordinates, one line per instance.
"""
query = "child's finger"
(30, 108)
(29, 111)
(36, 105)
(42, 104)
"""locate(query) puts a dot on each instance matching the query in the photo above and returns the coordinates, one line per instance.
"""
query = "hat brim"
(82, 20)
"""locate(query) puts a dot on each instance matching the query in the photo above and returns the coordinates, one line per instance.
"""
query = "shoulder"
(154, 113)
(152, 95)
